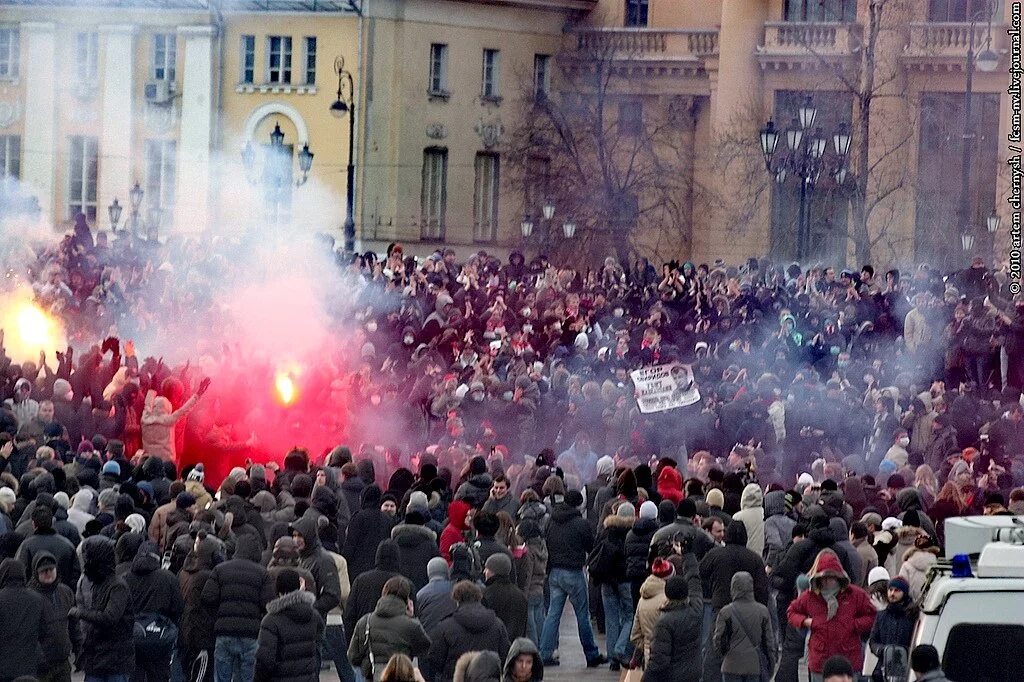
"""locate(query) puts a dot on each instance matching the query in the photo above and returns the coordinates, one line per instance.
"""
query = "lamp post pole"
(340, 108)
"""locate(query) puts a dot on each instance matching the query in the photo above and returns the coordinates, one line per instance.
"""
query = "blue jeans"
(571, 585)
(618, 617)
(535, 618)
(234, 656)
(337, 651)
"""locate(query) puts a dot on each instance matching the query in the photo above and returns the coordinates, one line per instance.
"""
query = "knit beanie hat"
(198, 473)
(111, 468)
(626, 510)
(136, 522)
(878, 574)
(648, 510)
(715, 498)
(184, 501)
(676, 588)
(900, 583)
(791, 499)
(499, 564)
(804, 480)
(605, 466)
(437, 568)
(417, 500)
(62, 499)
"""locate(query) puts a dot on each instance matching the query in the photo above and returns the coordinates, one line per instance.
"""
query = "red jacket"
(842, 634)
(670, 485)
(453, 533)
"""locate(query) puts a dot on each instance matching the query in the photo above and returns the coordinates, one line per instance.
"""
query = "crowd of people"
(487, 461)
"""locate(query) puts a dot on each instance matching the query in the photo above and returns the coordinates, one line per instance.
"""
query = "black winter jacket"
(416, 546)
(23, 628)
(319, 563)
(720, 564)
(508, 603)
(154, 589)
(105, 611)
(570, 538)
(238, 591)
(367, 529)
(613, 534)
(638, 548)
(62, 633)
(366, 589)
(391, 631)
(473, 627)
(58, 546)
(800, 557)
(675, 645)
(288, 649)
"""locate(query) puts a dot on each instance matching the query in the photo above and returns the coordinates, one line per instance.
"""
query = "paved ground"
(573, 664)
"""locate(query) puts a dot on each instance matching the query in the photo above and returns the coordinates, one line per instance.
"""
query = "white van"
(973, 608)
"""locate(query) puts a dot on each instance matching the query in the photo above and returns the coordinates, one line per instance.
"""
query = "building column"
(196, 137)
(39, 146)
(117, 117)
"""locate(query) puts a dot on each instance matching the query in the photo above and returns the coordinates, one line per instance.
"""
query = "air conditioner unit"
(158, 92)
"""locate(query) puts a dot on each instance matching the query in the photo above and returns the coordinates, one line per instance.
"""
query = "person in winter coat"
(472, 627)
(924, 661)
(675, 644)
(477, 666)
(315, 559)
(616, 590)
(648, 609)
(389, 629)
(533, 576)
(103, 607)
(670, 484)
(24, 628)
(158, 422)
(837, 614)
(637, 547)
(288, 646)
(570, 539)
(62, 633)
(45, 539)
(81, 503)
(477, 486)
(197, 639)
(153, 590)
(860, 539)
(366, 589)
(720, 564)
(369, 526)
(845, 549)
(434, 601)
(238, 591)
(503, 597)
(917, 561)
(458, 526)
(907, 538)
(523, 662)
(778, 525)
(417, 545)
(700, 541)
(743, 634)
(894, 626)
(751, 513)
(285, 557)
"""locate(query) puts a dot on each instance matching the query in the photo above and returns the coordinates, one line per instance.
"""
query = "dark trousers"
(152, 671)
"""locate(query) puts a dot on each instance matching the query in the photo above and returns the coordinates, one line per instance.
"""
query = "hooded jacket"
(612, 539)
(569, 537)
(198, 619)
(154, 589)
(740, 655)
(778, 527)
(59, 547)
(522, 646)
(720, 564)
(388, 630)
(416, 546)
(670, 484)
(454, 532)
(288, 647)
(81, 503)
(916, 563)
(910, 499)
(675, 647)
(637, 548)
(24, 626)
(366, 589)
(158, 425)
(368, 528)
(473, 627)
(60, 628)
(751, 513)
(845, 549)
(841, 634)
(508, 603)
(800, 557)
(104, 610)
(894, 626)
(319, 563)
(652, 598)
(238, 591)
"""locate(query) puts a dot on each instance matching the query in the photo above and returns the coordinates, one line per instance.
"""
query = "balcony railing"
(646, 44)
(945, 41)
(823, 39)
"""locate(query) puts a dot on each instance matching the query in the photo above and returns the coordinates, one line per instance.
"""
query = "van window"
(969, 654)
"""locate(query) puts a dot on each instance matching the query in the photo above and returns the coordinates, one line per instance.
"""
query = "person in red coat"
(837, 613)
(455, 531)
(670, 485)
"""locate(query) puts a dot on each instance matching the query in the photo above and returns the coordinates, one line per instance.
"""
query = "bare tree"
(617, 163)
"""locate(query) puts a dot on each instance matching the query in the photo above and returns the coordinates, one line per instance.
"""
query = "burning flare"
(29, 329)
(285, 387)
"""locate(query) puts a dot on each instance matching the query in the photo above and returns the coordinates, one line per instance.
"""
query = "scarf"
(831, 600)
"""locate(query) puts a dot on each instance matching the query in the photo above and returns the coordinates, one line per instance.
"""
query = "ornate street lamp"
(992, 222)
(526, 227)
(769, 141)
(339, 108)
(548, 210)
(807, 113)
(114, 211)
(569, 229)
(967, 242)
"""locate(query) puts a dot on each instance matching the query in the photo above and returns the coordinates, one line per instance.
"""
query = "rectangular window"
(636, 12)
(279, 59)
(538, 175)
(10, 156)
(248, 71)
(631, 117)
(438, 68)
(434, 193)
(82, 172)
(165, 53)
(87, 54)
(828, 11)
(310, 60)
(161, 163)
(965, 10)
(491, 68)
(485, 197)
(9, 52)
(541, 75)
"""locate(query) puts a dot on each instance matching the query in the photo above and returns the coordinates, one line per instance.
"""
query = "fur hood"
(408, 533)
(286, 601)
(616, 521)
(921, 557)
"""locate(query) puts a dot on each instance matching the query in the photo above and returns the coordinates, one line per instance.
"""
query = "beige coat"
(652, 598)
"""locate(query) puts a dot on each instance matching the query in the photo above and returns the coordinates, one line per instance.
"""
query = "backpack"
(154, 636)
(602, 561)
(476, 566)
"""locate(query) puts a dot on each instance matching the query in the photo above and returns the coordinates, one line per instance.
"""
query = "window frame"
(437, 82)
(169, 52)
(10, 58)
(637, 13)
(541, 76)
(84, 178)
(247, 59)
(631, 125)
(486, 194)
(434, 194)
(284, 56)
(309, 60)
(10, 156)
(87, 66)
(162, 153)
(490, 72)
